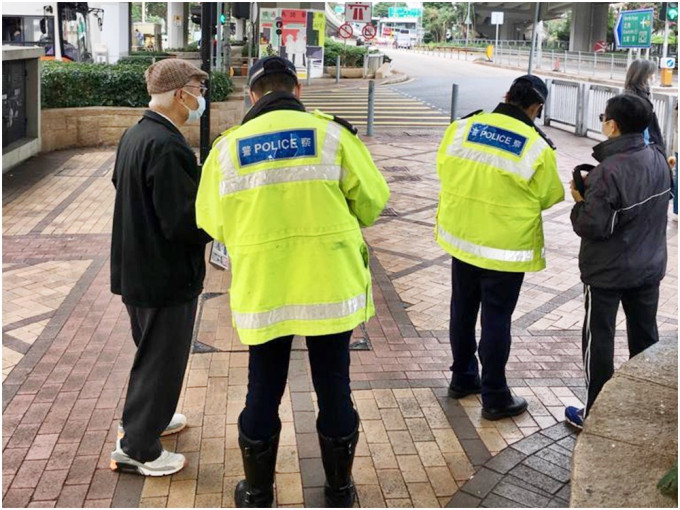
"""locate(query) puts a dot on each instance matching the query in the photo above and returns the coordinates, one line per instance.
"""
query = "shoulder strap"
(472, 114)
(338, 120)
(545, 137)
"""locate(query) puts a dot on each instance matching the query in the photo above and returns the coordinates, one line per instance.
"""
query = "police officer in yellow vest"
(498, 172)
(287, 192)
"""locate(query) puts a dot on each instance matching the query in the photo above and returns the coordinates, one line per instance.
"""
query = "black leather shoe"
(517, 406)
(460, 392)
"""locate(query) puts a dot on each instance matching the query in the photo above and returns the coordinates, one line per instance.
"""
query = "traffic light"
(196, 14)
(223, 19)
(279, 26)
(669, 11)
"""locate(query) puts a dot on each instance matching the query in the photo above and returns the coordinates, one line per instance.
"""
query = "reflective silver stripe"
(331, 143)
(326, 170)
(300, 313)
(523, 168)
(485, 251)
(279, 175)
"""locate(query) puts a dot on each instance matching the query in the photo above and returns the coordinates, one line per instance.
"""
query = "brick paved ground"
(67, 351)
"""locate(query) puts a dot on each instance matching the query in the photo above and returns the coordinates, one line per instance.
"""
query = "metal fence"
(603, 65)
(579, 104)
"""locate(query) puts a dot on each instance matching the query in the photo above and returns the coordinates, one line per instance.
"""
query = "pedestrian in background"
(287, 192)
(621, 221)
(498, 172)
(640, 79)
(157, 262)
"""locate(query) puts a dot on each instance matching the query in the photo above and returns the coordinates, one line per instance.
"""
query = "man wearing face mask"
(498, 172)
(621, 220)
(157, 262)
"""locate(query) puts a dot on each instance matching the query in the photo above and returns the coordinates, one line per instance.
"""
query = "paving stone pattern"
(67, 352)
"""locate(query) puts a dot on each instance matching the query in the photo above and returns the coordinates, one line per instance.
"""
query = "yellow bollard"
(489, 52)
(666, 77)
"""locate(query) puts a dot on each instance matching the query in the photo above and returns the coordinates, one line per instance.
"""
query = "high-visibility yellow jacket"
(287, 193)
(497, 174)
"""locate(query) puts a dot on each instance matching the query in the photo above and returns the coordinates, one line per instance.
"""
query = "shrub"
(69, 85)
(142, 58)
(350, 56)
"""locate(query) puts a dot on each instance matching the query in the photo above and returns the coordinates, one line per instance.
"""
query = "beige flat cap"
(171, 74)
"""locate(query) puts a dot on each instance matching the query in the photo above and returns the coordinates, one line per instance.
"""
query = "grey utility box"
(20, 104)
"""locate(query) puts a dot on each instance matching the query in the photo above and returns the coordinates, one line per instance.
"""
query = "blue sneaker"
(574, 416)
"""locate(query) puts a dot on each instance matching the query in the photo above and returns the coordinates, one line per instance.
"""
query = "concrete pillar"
(175, 29)
(115, 33)
(240, 29)
(588, 24)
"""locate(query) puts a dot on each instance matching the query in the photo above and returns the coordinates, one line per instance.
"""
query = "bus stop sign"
(633, 29)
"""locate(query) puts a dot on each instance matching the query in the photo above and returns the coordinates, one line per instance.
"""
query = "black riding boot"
(259, 464)
(337, 455)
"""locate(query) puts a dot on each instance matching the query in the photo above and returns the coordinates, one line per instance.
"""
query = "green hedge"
(350, 56)
(69, 85)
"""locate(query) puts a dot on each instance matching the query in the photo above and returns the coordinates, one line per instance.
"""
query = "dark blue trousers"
(267, 374)
(496, 292)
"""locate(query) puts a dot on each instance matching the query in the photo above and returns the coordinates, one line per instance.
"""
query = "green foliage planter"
(69, 85)
(350, 56)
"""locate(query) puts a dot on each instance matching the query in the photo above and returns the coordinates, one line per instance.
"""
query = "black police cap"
(271, 65)
(537, 84)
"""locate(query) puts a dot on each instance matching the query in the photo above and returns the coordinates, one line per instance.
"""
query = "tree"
(381, 9)
(438, 17)
(156, 12)
(559, 29)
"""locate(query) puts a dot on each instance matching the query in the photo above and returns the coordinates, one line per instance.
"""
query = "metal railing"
(579, 104)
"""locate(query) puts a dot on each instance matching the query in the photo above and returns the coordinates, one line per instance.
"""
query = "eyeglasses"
(602, 117)
(202, 88)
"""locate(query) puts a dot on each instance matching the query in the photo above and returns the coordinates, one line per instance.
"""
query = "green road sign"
(633, 29)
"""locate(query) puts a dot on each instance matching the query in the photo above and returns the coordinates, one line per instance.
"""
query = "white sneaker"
(166, 464)
(178, 422)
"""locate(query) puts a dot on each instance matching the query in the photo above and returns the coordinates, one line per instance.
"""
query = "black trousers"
(497, 293)
(163, 340)
(267, 374)
(640, 305)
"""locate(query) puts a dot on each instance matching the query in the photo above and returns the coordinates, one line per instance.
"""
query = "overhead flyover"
(588, 20)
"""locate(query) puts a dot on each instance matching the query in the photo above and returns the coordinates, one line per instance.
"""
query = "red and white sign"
(358, 12)
(600, 46)
(368, 31)
(345, 31)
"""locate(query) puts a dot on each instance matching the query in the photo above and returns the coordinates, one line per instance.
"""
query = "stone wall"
(94, 126)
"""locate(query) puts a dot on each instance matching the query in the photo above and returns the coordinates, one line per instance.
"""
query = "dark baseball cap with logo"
(537, 85)
(271, 65)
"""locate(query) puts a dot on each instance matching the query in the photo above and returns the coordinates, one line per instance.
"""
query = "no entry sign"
(345, 31)
(368, 31)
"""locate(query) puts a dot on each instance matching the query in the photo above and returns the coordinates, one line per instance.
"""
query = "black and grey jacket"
(622, 220)
(157, 251)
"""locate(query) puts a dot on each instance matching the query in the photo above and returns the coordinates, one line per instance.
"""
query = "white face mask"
(195, 114)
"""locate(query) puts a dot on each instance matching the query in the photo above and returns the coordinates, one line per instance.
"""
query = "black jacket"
(157, 251)
(622, 220)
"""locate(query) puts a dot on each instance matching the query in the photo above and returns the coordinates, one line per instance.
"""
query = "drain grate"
(396, 168)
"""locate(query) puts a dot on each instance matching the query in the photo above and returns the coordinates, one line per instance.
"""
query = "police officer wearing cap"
(287, 192)
(498, 172)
